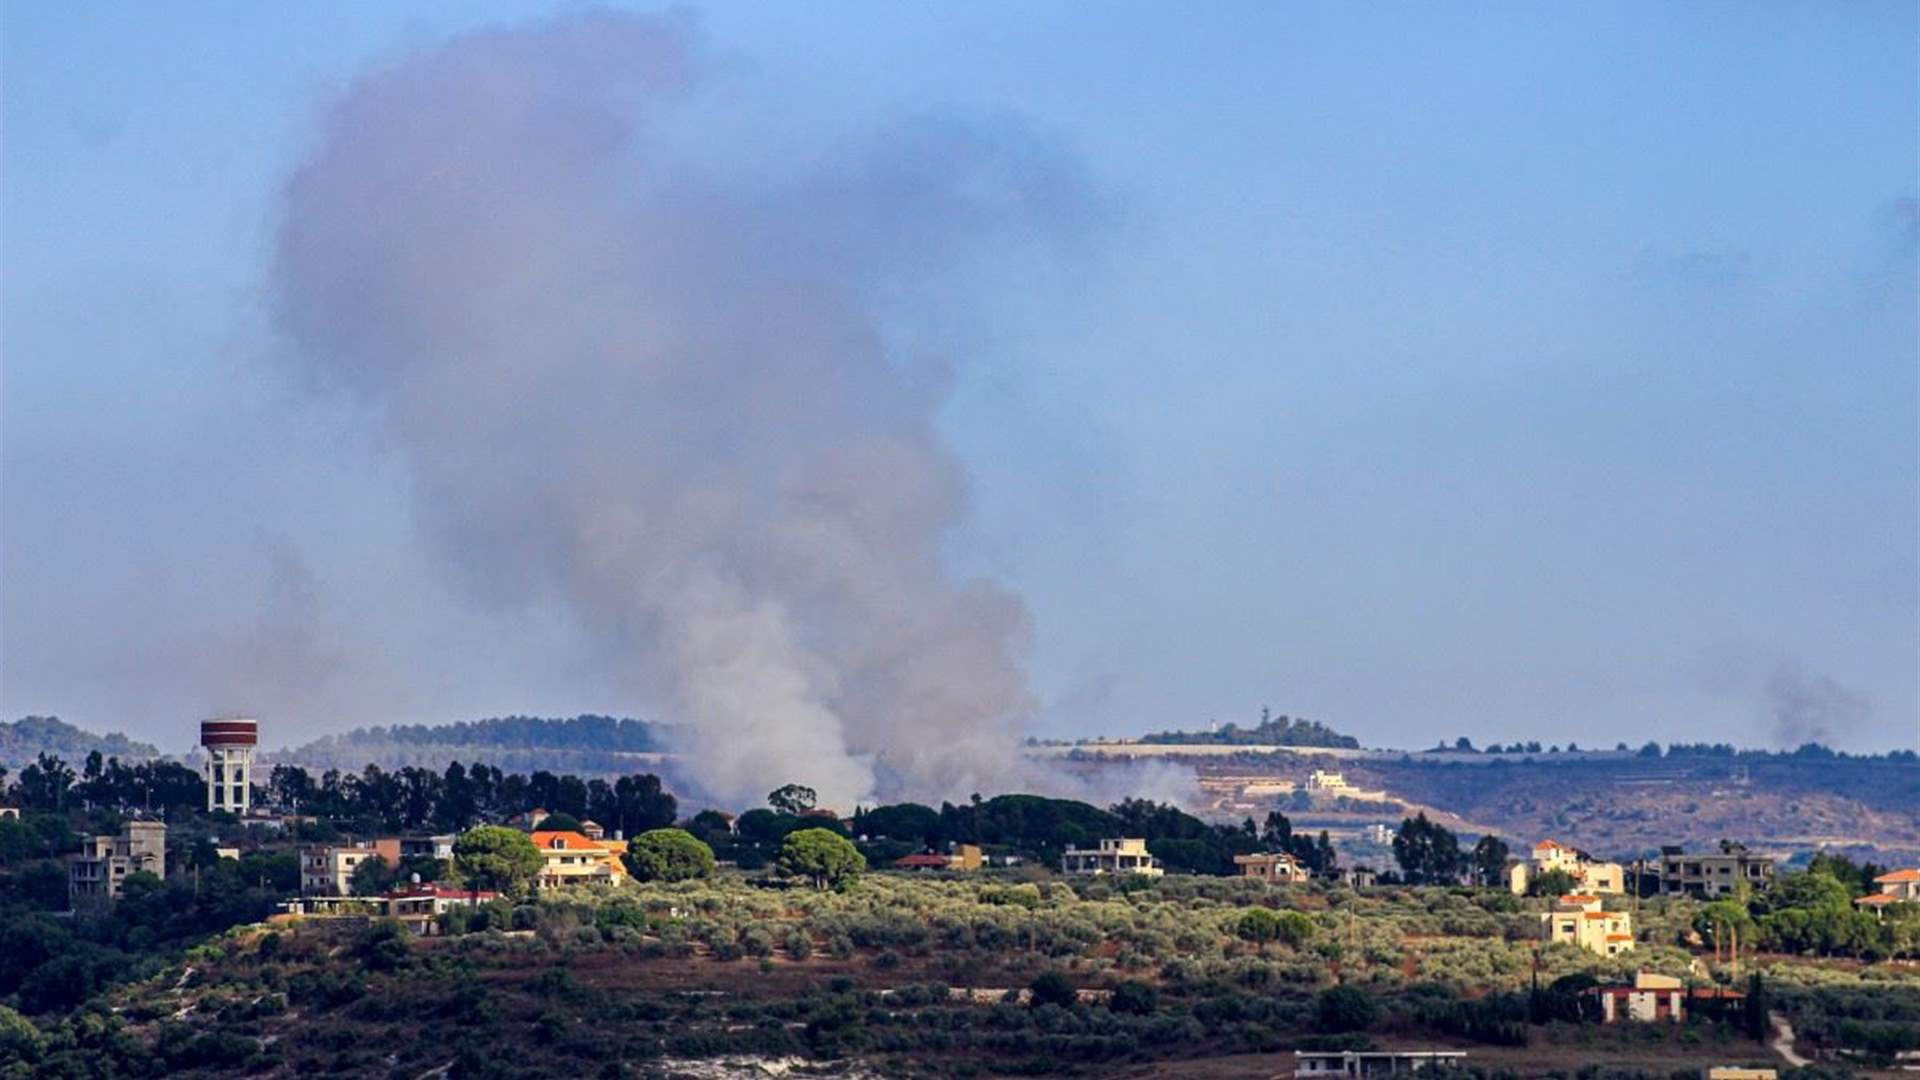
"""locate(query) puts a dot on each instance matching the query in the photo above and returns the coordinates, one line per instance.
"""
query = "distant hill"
(26, 738)
(1630, 805)
(581, 744)
(1270, 731)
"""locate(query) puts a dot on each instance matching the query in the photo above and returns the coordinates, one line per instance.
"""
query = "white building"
(1372, 1062)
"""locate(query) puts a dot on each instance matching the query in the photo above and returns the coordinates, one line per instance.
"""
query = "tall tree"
(1490, 860)
(792, 799)
(1427, 853)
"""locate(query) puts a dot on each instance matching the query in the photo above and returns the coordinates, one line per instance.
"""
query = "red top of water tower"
(229, 732)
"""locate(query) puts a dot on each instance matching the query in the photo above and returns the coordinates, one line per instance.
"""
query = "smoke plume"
(675, 399)
(1806, 707)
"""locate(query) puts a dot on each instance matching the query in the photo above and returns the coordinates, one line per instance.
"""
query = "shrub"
(1051, 988)
(1134, 997)
(1343, 1008)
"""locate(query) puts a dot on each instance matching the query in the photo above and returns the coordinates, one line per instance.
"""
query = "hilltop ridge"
(27, 738)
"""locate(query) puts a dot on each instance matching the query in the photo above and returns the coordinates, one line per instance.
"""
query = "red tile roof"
(937, 862)
(1898, 876)
(569, 841)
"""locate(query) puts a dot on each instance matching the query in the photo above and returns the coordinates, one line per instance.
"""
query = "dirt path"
(1783, 1041)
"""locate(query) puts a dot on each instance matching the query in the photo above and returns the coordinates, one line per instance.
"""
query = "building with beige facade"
(1655, 999)
(966, 857)
(1898, 887)
(575, 859)
(1588, 874)
(1275, 868)
(97, 873)
(1579, 919)
(328, 871)
(1126, 855)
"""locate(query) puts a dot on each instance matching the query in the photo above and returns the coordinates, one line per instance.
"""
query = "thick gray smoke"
(674, 400)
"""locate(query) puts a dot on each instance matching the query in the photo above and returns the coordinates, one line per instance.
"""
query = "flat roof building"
(1713, 875)
(1124, 855)
(101, 868)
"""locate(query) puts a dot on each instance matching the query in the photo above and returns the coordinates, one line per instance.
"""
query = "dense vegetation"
(1270, 731)
(586, 743)
(925, 976)
(30, 736)
(772, 934)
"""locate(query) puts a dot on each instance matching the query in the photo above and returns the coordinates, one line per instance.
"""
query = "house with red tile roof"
(575, 859)
(1578, 919)
(1588, 873)
(1898, 887)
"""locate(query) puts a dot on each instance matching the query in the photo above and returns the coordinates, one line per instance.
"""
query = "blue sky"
(1497, 370)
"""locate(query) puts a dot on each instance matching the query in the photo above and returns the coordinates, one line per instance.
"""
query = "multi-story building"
(573, 859)
(1579, 919)
(328, 871)
(97, 873)
(1713, 875)
(1126, 855)
(419, 907)
(1277, 868)
(1589, 875)
(427, 847)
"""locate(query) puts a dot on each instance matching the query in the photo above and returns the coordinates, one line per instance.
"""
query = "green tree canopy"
(901, 821)
(1554, 882)
(558, 822)
(1427, 853)
(669, 855)
(793, 799)
(1343, 1008)
(1490, 860)
(1051, 988)
(493, 857)
(821, 856)
(1264, 924)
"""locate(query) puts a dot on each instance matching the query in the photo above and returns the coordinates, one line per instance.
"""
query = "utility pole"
(1735, 933)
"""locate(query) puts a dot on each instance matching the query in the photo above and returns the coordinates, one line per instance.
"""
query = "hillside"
(28, 737)
(587, 744)
(909, 976)
(1627, 805)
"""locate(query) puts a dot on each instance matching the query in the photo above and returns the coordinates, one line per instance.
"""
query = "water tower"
(229, 743)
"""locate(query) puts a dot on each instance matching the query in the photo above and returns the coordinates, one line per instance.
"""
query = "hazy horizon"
(1515, 374)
